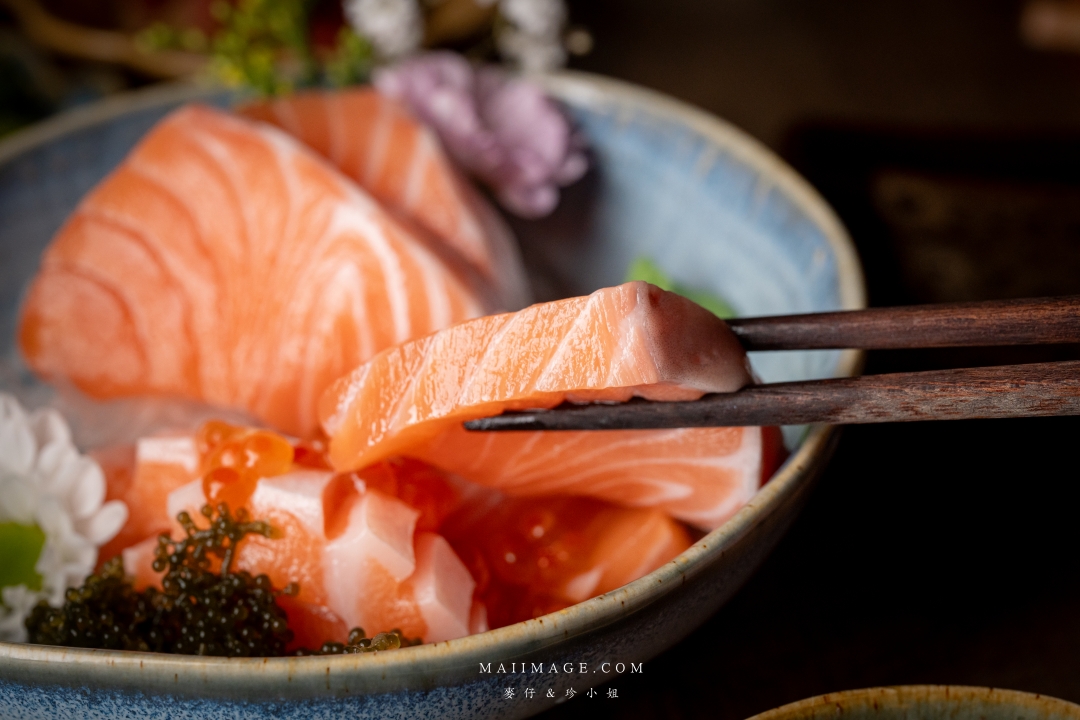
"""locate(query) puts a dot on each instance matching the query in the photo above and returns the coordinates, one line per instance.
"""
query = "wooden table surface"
(931, 552)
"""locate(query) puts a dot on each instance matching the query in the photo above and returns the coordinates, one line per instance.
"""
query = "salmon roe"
(420, 486)
(311, 454)
(528, 553)
(232, 459)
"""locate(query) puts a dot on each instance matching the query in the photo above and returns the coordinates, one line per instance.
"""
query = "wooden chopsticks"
(1039, 389)
(1036, 321)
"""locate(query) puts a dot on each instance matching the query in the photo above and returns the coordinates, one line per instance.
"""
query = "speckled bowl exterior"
(709, 205)
(927, 702)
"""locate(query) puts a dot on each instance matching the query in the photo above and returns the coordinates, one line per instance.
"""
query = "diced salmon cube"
(442, 588)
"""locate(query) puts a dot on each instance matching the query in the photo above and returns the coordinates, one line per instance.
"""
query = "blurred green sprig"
(351, 61)
(263, 45)
(162, 36)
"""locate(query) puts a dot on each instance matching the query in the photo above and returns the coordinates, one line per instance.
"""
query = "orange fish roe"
(534, 556)
(311, 454)
(422, 487)
(233, 459)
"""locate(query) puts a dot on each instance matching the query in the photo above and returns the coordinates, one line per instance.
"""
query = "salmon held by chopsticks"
(620, 342)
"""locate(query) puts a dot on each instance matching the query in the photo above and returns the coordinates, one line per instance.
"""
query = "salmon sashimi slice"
(534, 556)
(295, 505)
(225, 262)
(442, 589)
(702, 476)
(158, 466)
(376, 142)
(620, 342)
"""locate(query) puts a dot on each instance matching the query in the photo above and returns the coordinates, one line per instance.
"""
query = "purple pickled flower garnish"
(503, 130)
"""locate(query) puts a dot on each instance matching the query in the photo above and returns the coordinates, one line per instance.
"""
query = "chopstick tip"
(506, 421)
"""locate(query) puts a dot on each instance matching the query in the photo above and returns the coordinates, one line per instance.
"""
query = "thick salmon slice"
(702, 476)
(376, 142)
(224, 261)
(621, 342)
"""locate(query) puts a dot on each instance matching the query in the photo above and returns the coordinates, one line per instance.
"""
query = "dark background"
(928, 553)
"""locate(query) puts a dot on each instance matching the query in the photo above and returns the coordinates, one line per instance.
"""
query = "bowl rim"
(898, 696)
(412, 668)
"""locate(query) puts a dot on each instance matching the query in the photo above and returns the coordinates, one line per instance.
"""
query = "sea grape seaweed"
(200, 610)
(105, 612)
(358, 642)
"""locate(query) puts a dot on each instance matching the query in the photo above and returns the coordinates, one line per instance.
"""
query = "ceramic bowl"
(927, 702)
(709, 205)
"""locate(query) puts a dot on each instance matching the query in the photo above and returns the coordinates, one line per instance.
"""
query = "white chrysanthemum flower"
(531, 53)
(45, 482)
(394, 27)
(16, 602)
(539, 18)
(534, 40)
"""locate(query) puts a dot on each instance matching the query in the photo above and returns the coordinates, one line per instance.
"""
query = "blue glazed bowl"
(710, 206)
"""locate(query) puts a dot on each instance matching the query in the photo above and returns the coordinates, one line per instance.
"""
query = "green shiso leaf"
(645, 269)
(708, 301)
(20, 548)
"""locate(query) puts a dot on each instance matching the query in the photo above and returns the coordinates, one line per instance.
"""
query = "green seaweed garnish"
(20, 548)
(645, 269)
(358, 642)
(198, 611)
